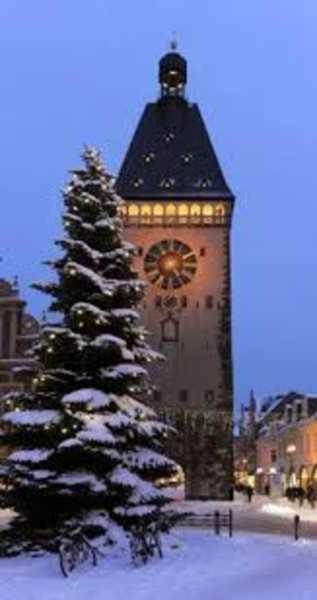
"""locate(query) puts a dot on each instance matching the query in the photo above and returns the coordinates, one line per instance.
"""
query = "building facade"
(287, 443)
(178, 214)
(245, 452)
(18, 332)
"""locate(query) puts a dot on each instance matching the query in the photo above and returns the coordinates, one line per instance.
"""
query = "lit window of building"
(195, 210)
(133, 210)
(158, 210)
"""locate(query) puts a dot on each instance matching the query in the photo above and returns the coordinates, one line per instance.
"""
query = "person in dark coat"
(311, 496)
(249, 492)
(301, 495)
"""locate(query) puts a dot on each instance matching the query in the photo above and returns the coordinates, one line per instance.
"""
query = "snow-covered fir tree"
(85, 449)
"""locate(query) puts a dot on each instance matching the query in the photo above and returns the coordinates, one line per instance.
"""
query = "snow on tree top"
(125, 313)
(118, 421)
(136, 511)
(34, 456)
(124, 369)
(32, 417)
(106, 339)
(98, 434)
(102, 284)
(43, 474)
(70, 443)
(79, 244)
(145, 457)
(150, 428)
(124, 477)
(134, 408)
(90, 308)
(79, 478)
(92, 397)
(96, 430)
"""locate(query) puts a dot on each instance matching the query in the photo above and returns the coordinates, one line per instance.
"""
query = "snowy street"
(196, 565)
(263, 515)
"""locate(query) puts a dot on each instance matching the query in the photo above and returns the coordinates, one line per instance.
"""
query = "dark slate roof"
(171, 155)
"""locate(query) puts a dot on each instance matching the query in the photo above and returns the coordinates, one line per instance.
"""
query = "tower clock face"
(169, 264)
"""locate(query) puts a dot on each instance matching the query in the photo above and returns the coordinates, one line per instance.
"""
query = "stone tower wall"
(199, 362)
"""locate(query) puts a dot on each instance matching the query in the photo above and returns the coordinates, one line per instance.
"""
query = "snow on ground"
(195, 565)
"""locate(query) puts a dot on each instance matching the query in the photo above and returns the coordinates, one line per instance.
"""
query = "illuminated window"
(146, 210)
(133, 210)
(170, 210)
(183, 210)
(195, 210)
(208, 210)
(158, 210)
(220, 210)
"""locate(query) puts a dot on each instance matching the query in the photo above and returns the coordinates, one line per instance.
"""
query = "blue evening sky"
(76, 71)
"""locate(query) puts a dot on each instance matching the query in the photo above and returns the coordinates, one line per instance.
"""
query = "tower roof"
(171, 153)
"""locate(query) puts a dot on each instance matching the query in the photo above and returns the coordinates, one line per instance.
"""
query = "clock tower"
(178, 214)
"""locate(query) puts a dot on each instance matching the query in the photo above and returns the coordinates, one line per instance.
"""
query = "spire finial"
(174, 42)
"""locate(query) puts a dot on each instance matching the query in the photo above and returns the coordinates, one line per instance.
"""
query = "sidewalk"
(262, 515)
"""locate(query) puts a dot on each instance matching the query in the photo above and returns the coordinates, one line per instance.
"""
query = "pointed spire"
(174, 42)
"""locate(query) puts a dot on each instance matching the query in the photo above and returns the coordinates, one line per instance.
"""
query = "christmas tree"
(85, 449)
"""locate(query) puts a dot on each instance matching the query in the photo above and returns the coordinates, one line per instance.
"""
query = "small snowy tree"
(86, 449)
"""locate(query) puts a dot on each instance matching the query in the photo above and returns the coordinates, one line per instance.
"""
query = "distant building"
(245, 444)
(18, 332)
(287, 443)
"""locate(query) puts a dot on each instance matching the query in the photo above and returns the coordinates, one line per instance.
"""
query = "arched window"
(183, 210)
(158, 210)
(170, 210)
(208, 210)
(220, 210)
(146, 210)
(170, 330)
(195, 210)
(133, 210)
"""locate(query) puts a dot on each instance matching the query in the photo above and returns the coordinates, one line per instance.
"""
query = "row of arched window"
(174, 210)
